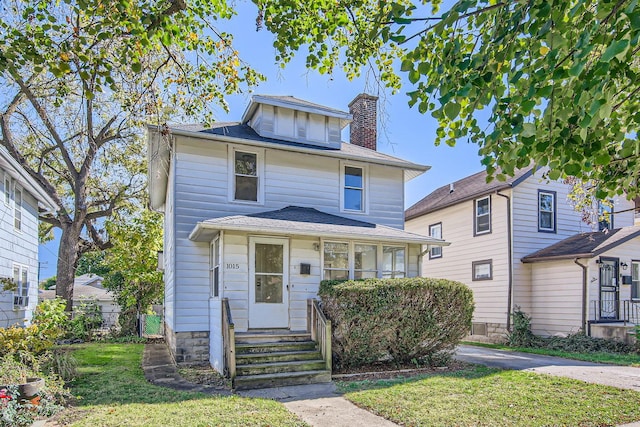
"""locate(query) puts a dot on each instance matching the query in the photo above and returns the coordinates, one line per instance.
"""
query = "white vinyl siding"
(18, 247)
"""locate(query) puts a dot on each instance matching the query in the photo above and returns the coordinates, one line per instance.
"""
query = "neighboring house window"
(605, 215)
(246, 176)
(482, 215)
(353, 197)
(482, 270)
(336, 261)
(21, 294)
(393, 265)
(366, 263)
(435, 231)
(547, 211)
(635, 279)
(214, 268)
(17, 209)
(7, 188)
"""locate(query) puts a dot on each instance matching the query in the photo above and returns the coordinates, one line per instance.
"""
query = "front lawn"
(112, 391)
(482, 396)
(596, 357)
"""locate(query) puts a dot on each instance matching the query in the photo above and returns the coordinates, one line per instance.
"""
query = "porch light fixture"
(624, 265)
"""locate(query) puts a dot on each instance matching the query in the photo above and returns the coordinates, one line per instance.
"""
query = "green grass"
(112, 391)
(597, 357)
(483, 396)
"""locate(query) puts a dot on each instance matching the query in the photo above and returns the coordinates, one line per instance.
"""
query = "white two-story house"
(21, 197)
(520, 243)
(258, 212)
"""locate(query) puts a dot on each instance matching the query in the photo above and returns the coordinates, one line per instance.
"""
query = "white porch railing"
(228, 340)
(320, 328)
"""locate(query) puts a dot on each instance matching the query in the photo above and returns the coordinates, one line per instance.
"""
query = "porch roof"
(584, 245)
(300, 221)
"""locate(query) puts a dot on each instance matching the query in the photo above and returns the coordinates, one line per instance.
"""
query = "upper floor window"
(482, 270)
(547, 211)
(605, 215)
(21, 294)
(482, 215)
(393, 264)
(635, 279)
(435, 231)
(17, 209)
(246, 176)
(354, 188)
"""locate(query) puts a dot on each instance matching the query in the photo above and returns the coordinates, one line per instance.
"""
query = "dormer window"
(246, 176)
(354, 188)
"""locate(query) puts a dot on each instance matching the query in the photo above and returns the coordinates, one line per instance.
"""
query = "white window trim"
(16, 207)
(433, 255)
(351, 258)
(213, 263)
(632, 281)
(6, 195)
(259, 152)
(475, 216)
(17, 292)
(365, 187)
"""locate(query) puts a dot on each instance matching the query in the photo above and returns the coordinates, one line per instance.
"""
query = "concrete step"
(249, 382)
(278, 367)
(282, 356)
(262, 337)
(273, 347)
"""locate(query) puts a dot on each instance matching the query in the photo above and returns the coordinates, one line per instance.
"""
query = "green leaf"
(451, 110)
(616, 48)
(136, 67)
(528, 130)
(572, 169)
(407, 65)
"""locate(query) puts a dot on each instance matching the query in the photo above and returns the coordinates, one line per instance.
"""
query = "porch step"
(282, 356)
(273, 347)
(254, 337)
(248, 382)
(279, 367)
(278, 358)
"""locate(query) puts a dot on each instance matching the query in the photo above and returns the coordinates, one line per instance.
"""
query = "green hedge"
(397, 320)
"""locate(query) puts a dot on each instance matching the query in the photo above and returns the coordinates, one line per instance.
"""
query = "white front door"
(268, 282)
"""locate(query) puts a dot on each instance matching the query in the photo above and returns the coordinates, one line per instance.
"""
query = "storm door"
(609, 289)
(268, 283)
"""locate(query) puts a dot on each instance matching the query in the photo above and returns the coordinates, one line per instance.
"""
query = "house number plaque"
(233, 266)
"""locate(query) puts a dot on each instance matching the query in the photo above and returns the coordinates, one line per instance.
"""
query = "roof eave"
(200, 234)
(527, 260)
(345, 118)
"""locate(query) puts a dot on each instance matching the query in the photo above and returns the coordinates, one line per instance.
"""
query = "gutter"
(584, 297)
(510, 251)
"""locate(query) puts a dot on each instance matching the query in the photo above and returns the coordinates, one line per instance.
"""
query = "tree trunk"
(67, 262)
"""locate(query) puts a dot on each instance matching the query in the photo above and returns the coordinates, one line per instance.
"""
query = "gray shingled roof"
(349, 151)
(467, 188)
(584, 245)
(295, 220)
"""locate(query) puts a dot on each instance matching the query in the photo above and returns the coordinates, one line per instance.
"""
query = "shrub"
(520, 334)
(87, 317)
(396, 320)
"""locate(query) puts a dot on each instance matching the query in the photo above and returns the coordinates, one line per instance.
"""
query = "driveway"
(597, 373)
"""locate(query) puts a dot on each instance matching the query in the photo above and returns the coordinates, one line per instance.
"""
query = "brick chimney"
(364, 127)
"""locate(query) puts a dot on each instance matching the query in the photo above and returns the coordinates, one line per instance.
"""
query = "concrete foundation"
(188, 347)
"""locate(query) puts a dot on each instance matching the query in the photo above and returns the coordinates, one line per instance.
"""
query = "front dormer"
(294, 120)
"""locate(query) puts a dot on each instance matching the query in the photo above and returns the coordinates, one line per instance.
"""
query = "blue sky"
(404, 132)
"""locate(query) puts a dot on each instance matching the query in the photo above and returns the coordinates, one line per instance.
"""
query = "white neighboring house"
(520, 243)
(258, 212)
(21, 199)
(88, 288)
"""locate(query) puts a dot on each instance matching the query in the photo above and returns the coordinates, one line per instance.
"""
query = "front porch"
(614, 319)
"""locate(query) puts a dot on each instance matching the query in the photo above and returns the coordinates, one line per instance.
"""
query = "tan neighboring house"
(88, 287)
(520, 243)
